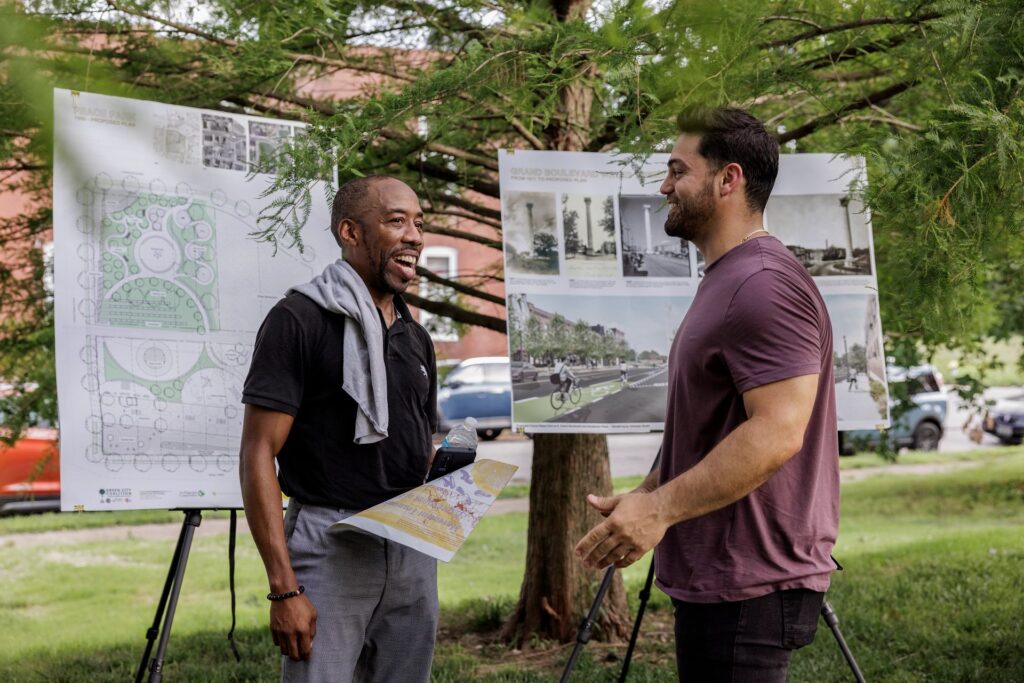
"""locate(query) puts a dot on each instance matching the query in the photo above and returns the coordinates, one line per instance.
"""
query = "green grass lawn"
(932, 592)
(54, 521)
(57, 521)
(872, 459)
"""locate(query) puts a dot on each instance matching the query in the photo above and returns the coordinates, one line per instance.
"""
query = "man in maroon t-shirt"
(744, 508)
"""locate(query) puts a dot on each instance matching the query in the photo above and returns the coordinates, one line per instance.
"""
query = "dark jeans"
(749, 641)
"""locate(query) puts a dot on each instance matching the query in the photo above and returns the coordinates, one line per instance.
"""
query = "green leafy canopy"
(927, 91)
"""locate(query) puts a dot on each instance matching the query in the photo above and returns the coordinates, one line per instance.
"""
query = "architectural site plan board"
(159, 291)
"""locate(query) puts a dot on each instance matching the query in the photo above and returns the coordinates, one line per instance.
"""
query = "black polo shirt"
(297, 369)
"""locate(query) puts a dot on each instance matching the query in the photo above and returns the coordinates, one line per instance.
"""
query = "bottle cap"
(471, 421)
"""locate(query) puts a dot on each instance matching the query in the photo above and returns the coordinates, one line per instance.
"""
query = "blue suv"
(919, 428)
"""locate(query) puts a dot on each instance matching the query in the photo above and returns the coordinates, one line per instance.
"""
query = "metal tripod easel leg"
(583, 635)
(645, 596)
(168, 600)
(827, 613)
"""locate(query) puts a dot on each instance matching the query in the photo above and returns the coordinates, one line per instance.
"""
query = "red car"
(30, 473)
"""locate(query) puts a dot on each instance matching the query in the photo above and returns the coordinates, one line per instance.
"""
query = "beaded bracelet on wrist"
(277, 597)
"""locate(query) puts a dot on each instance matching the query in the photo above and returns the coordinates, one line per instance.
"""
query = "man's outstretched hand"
(293, 625)
(634, 524)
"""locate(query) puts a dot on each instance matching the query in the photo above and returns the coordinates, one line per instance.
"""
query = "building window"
(443, 261)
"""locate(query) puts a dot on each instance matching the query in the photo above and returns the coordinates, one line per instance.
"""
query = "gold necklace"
(754, 233)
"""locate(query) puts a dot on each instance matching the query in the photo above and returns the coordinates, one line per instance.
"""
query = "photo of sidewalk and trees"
(858, 362)
(618, 354)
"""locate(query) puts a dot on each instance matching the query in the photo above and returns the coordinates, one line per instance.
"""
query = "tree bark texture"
(557, 591)
(576, 101)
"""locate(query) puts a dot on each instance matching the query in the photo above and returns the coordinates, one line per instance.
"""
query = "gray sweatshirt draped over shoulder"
(340, 289)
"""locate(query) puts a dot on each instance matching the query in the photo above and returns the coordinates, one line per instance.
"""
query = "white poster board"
(589, 268)
(159, 289)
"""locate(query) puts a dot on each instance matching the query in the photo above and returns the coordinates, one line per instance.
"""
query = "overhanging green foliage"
(928, 91)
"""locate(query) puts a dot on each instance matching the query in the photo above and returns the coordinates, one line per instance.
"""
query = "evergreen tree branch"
(459, 287)
(938, 66)
(244, 104)
(439, 148)
(846, 26)
(477, 184)
(347, 63)
(513, 121)
(943, 204)
(20, 165)
(464, 214)
(297, 57)
(886, 121)
(799, 20)
(459, 315)
(852, 76)
(448, 20)
(870, 100)
(177, 26)
(463, 203)
(320, 107)
(462, 235)
(849, 52)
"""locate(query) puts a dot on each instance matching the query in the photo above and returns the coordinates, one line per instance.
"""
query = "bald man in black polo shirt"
(345, 605)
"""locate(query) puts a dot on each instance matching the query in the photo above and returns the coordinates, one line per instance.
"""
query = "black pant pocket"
(800, 611)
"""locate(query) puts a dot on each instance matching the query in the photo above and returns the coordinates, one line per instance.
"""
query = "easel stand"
(833, 623)
(168, 600)
(583, 636)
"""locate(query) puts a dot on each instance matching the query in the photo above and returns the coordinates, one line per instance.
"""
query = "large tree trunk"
(557, 591)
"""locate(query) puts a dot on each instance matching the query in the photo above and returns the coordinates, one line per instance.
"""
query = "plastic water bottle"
(462, 435)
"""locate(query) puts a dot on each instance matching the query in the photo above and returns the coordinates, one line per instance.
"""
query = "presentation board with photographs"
(159, 290)
(596, 290)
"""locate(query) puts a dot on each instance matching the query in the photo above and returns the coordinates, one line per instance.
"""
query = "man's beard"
(384, 282)
(688, 216)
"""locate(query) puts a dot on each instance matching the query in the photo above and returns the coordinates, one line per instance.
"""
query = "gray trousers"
(376, 602)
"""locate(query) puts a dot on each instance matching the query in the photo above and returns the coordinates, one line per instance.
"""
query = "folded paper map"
(436, 518)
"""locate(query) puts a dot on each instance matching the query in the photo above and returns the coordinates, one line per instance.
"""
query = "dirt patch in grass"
(492, 658)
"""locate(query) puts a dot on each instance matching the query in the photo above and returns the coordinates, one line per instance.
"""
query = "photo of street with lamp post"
(585, 360)
(829, 234)
(646, 250)
(528, 223)
(858, 361)
(588, 232)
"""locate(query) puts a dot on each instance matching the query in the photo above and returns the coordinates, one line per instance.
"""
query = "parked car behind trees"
(920, 427)
(480, 388)
(30, 472)
(1005, 420)
(523, 371)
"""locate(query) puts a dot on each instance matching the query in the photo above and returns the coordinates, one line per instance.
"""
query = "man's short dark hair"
(728, 135)
(350, 201)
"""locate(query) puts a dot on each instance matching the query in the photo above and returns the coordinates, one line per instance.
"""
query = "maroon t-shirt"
(757, 318)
